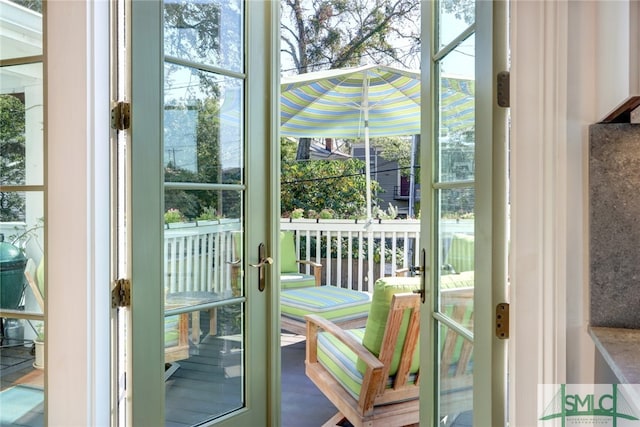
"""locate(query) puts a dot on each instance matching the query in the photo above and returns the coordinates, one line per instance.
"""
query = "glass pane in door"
(455, 151)
(207, 32)
(453, 18)
(22, 210)
(455, 303)
(456, 374)
(204, 296)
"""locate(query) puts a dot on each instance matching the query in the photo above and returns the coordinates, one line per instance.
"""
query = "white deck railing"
(199, 256)
(358, 245)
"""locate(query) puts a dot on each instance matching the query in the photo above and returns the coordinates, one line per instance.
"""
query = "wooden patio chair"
(290, 275)
(371, 375)
(301, 294)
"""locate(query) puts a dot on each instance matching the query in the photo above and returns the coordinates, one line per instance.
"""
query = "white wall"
(77, 374)
(602, 72)
(572, 62)
(611, 47)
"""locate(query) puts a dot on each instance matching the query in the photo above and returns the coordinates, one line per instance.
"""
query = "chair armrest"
(315, 323)
(311, 263)
(317, 269)
(402, 271)
(373, 376)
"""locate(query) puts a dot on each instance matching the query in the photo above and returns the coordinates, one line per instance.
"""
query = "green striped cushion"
(462, 280)
(330, 302)
(288, 262)
(171, 330)
(460, 255)
(383, 291)
(290, 277)
(341, 362)
(451, 285)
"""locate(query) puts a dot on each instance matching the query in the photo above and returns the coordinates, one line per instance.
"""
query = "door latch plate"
(502, 321)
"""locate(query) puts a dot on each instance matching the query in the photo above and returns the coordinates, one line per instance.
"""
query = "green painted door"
(194, 179)
(464, 211)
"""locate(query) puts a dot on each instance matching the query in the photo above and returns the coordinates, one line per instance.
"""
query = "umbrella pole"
(367, 159)
(367, 154)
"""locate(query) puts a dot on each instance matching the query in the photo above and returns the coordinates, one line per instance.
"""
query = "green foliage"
(12, 160)
(288, 147)
(172, 216)
(397, 149)
(208, 169)
(463, 10)
(40, 331)
(24, 237)
(12, 139)
(333, 185)
(326, 214)
(390, 213)
(204, 31)
(345, 243)
(297, 213)
(208, 214)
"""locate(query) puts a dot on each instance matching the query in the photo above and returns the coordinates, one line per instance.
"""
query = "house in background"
(394, 184)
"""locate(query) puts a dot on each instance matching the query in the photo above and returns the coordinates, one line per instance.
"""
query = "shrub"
(173, 215)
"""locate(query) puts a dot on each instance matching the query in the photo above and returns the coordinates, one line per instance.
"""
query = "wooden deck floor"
(206, 384)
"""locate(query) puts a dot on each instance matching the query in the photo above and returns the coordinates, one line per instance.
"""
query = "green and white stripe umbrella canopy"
(340, 103)
(372, 100)
(368, 101)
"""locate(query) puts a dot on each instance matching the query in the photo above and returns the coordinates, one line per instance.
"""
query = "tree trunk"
(304, 146)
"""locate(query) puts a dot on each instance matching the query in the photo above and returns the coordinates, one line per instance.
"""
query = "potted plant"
(38, 344)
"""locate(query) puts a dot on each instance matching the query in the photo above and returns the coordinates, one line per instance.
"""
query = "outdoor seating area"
(371, 374)
(302, 294)
(200, 356)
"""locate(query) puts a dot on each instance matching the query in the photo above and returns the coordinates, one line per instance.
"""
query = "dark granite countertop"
(621, 350)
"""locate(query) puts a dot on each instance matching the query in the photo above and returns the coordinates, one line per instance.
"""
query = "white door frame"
(553, 101)
(77, 219)
(538, 203)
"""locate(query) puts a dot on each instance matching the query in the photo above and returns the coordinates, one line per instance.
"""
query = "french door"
(192, 241)
(464, 214)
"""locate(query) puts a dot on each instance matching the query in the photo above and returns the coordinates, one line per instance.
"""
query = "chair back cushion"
(460, 255)
(383, 291)
(288, 262)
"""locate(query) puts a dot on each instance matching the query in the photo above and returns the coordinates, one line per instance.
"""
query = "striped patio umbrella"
(362, 102)
(457, 100)
(368, 101)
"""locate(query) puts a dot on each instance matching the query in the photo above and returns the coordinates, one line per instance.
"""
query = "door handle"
(422, 271)
(262, 261)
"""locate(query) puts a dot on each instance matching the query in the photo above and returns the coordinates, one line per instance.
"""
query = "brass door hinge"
(502, 321)
(121, 116)
(503, 90)
(121, 293)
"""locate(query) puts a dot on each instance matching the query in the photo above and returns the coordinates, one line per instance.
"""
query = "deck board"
(202, 386)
